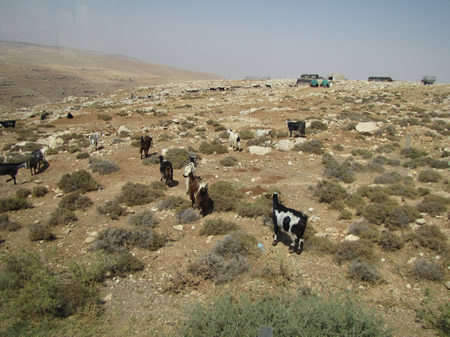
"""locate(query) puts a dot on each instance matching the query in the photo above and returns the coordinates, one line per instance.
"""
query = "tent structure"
(335, 77)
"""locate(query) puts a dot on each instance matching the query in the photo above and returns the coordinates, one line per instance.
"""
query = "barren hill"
(33, 74)
(372, 174)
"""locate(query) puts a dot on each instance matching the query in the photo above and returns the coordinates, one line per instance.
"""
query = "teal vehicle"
(314, 83)
(325, 83)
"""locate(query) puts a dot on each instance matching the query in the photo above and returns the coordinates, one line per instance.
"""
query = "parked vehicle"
(380, 79)
(307, 78)
(428, 80)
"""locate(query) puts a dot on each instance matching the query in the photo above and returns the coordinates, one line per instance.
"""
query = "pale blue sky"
(404, 39)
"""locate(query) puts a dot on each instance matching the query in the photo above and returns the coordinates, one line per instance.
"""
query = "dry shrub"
(228, 161)
(187, 216)
(138, 194)
(102, 166)
(320, 245)
(214, 147)
(407, 191)
(246, 134)
(388, 178)
(176, 203)
(312, 146)
(262, 206)
(355, 201)
(104, 117)
(74, 201)
(390, 242)
(39, 232)
(112, 209)
(217, 227)
(400, 217)
(329, 191)
(334, 169)
(39, 191)
(13, 204)
(83, 155)
(236, 243)
(430, 236)
(7, 225)
(61, 216)
(427, 270)
(363, 271)
(145, 218)
(429, 176)
(377, 213)
(79, 180)
(364, 230)
(375, 194)
(23, 193)
(360, 250)
(413, 153)
(225, 196)
(178, 157)
(433, 204)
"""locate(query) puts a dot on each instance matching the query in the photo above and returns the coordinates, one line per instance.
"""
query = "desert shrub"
(377, 213)
(338, 147)
(345, 215)
(329, 191)
(317, 126)
(111, 240)
(217, 227)
(112, 209)
(430, 236)
(104, 117)
(362, 271)
(364, 230)
(381, 160)
(214, 147)
(79, 180)
(406, 191)
(388, 178)
(366, 154)
(312, 146)
(260, 207)
(234, 244)
(61, 216)
(7, 225)
(375, 194)
(228, 161)
(13, 204)
(74, 201)
(146, 238)
(390, 242)
(320, 245)
(259, 141)
(225, 196)
(400, 217)
(433, 204)
(39, 191)
(23, 193)
(51, 152)
(178, 157)
(83, 155)
(355, 201)
(39, 232)
(386, 148)
(360, 250)
(245, 135)
(187, 216)
(429, 176)
(175, 203)
(304, 314)
(138, 194)
(145, 218)
(427, 270)
(334, 169)
(150, 160)
(413, 153)
(102, 166)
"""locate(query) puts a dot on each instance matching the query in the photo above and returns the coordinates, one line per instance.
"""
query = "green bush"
(366, 154)
(79, 180)
(413, 153)
(103, 166)
(39, 232)
(13, 204)
(74, 201)
(245, 135)
(377, 213)
(225, 196)
(312, 146)
(262, 206)
(112, 209)
(388, 178)
(427, 270)
(303, 314)
(179, 157)
(429, 176)
(400, 217)
(360, 250)
(329, 191)
(320, 245)
(228, 161)
(334, 169)
(145, 218)
(364, 230)
(61, 216)
(23, 193)
(214, 147)
(433, 204)
(217, 227)
(176, 203)
(83, 155)
(430, 236)
(39, 191)
(237, 243)
(7, 225)
(406, 191)
(138, 194)
(317, 126)
(390, 242)
(362, 271)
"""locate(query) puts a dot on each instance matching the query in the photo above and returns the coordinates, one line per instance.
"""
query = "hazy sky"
(404, 39)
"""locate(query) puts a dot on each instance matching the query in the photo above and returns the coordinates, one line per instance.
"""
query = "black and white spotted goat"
(289, 221)
(166, 169)
(235, 140)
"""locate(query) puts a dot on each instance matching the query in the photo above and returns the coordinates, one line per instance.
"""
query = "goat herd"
(285, 220)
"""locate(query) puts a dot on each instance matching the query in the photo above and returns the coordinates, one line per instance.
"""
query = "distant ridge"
(32, 74)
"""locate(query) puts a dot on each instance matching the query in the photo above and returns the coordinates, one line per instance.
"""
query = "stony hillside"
(372, 175)
(34, 74)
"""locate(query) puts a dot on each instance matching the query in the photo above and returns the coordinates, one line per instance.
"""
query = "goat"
(190, 168)
(166, 169)
(296, 126)
(8, 123)
(11, 169)
(198, 193)
(35, 160)
(235, 140)
(146, 143)
(69, 116)
(289, 221)
(93, 140)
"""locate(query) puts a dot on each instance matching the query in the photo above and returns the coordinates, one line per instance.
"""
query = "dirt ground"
(151, 301)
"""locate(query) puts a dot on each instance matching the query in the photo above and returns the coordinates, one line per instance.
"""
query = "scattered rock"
(285, 145)
(259, 150)
(178, 228)
(367, 128)
(412, 260)
(351, 238)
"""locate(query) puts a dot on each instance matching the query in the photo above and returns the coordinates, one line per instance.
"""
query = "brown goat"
(198, 192)
(146, 143)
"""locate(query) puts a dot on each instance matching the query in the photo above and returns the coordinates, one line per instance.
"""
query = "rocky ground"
(358, 115)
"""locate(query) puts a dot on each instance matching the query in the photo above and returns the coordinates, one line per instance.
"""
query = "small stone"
(412, 260)
(314, 218)
(420, 221)
(178, 228)
(89, 239)
(408, 286)
(447, 285)
(107, 298)
(351, 238)
(310, 209)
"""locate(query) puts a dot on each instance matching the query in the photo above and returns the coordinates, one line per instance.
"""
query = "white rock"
(178, 228)
(412, 260)
(367, 127)
(420, 221)
(260, 133)
(314, 218)
(259, 150)
(351, 238)
(285, 145)
(107, 298)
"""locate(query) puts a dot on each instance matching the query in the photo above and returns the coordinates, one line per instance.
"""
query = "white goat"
(190, 168)
(235, 140)
(93, 140)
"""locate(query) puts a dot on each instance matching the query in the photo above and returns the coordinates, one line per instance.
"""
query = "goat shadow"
(210, 207)
(173, 183)
(284, 238)
(43, 167)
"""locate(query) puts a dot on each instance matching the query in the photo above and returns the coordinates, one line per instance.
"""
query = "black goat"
(289, 221)
(11, 169)
(146, 143)
(296, 126)
(35, 160)
(8, 123)
(166, 169)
